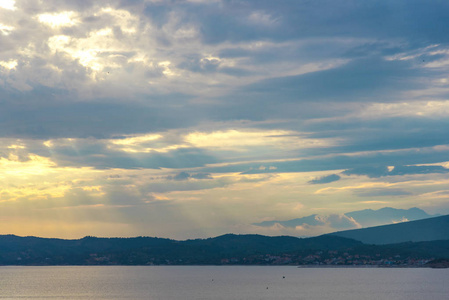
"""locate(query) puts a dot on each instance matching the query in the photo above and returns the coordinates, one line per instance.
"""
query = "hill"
(407, 244)
(15, 250)
(431, 229)
(387, 215)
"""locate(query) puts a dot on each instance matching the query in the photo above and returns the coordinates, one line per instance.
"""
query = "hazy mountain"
(431, 229)
(364, 218)
(387, 215)
(312, 220)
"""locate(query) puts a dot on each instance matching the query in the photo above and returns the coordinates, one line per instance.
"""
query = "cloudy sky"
(189, 119)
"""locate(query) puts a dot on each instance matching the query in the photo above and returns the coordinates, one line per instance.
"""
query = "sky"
(191, 119)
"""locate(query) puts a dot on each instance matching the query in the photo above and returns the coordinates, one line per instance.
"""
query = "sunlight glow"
(36, 165)
(16, 147)
(137, 139)
(39, 178)
(167, 70)
(48, 144)
(11, 64)
(232, 138)
(238, 140)
(5, 29)
(416, 108)
(143, 144)
(8, 4)
(87, 58)
(365, 185)
(62, 19)
(95, 52)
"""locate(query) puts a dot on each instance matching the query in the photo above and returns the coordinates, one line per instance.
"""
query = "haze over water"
(222, 283)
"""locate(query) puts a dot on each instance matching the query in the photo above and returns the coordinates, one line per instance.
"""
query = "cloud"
(404, 170)
(341, 222)
(201, 176)
(308, 226)
(85, 119)
(375, 132)
(380, 171)
(334, 221)
(114, 64)
(98, 156)
(8, 4)
(181, 176)
(325, 179)
(180, 115)
(370, 171)
(340, 83)
(381, 192)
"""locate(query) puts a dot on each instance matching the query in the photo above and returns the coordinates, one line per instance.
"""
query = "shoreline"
(237, 265)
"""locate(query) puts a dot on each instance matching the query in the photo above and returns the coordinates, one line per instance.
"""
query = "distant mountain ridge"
(309, 220)
(387, 215)
(364, 218)
(431, 229)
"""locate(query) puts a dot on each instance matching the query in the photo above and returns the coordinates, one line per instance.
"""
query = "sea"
(222, 283)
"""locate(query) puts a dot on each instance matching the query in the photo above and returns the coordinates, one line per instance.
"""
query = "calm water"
(242, 283)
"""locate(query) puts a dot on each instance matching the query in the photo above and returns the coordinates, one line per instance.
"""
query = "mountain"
(387, 215)
(431, 229)
(312, 220)
(364, 218)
